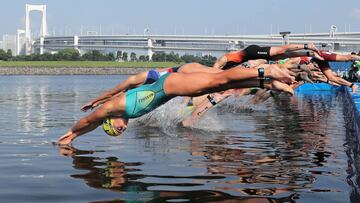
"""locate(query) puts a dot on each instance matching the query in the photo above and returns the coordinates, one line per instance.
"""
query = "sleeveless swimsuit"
(143, 99)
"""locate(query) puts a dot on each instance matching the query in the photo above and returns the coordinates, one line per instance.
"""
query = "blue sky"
(185, 16)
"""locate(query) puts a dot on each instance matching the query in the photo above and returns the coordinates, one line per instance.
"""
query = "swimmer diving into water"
(141, 100)
(256, 52)
(251, 54)
(321, 57)
(143, 78)
(325, 68)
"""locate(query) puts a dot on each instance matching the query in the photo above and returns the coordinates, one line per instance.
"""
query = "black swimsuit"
(253, 52)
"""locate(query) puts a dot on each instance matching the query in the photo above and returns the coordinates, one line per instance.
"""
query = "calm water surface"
(302, 149)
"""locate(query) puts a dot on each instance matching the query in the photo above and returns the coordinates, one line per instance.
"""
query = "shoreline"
(69, 70)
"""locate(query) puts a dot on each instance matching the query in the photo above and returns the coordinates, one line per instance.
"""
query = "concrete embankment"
(68, 70)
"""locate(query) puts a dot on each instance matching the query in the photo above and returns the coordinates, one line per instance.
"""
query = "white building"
(20, 42)
(1, 45)
(9, 42)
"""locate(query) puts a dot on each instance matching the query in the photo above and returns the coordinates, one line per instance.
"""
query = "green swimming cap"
(357, 64)
(109, 128)
(282, 61)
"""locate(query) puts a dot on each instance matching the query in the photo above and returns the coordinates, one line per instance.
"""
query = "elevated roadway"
(218, 44)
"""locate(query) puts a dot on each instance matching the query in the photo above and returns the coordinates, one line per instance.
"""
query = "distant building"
(1, 45)
(20, 42)
(9, 42)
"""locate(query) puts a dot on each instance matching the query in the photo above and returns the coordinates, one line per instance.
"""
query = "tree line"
(95, 55)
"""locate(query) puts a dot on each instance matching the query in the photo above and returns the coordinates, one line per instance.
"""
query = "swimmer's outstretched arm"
(276, 51)
(270, 70)
(347, 57)
(325, 68)
(129, 83)
(91, 121)
(292, 54)
(292, 47)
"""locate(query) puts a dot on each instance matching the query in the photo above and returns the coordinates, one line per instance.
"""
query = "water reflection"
(302, 148)
(38, 103)
(108, 173)
(126, 179)
(291, 150)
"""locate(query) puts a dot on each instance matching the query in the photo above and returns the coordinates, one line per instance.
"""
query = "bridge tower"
(43, 28)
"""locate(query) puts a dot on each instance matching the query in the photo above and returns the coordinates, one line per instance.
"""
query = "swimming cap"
(152, 77)
(357, 64)
(109, 128)
(282, 61)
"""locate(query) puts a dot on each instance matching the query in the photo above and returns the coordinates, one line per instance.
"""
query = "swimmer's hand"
(297, 84)
(313, 67)
(315, 74)
(87, 106)
(354, 88)
(281, 74)
(277, 85)
(305, 68)
(312, 46)
(66, 139)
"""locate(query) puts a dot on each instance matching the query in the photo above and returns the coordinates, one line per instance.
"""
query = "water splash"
(169, 116)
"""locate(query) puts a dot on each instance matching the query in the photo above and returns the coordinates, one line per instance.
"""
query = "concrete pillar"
(150, 49)
(28, 41)
(41, 45)
(76, 43)
(44, 30)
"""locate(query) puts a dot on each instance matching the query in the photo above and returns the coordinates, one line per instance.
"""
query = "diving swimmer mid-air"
(143, 99)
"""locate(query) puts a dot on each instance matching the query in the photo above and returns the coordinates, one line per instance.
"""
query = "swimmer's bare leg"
(196, 67)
